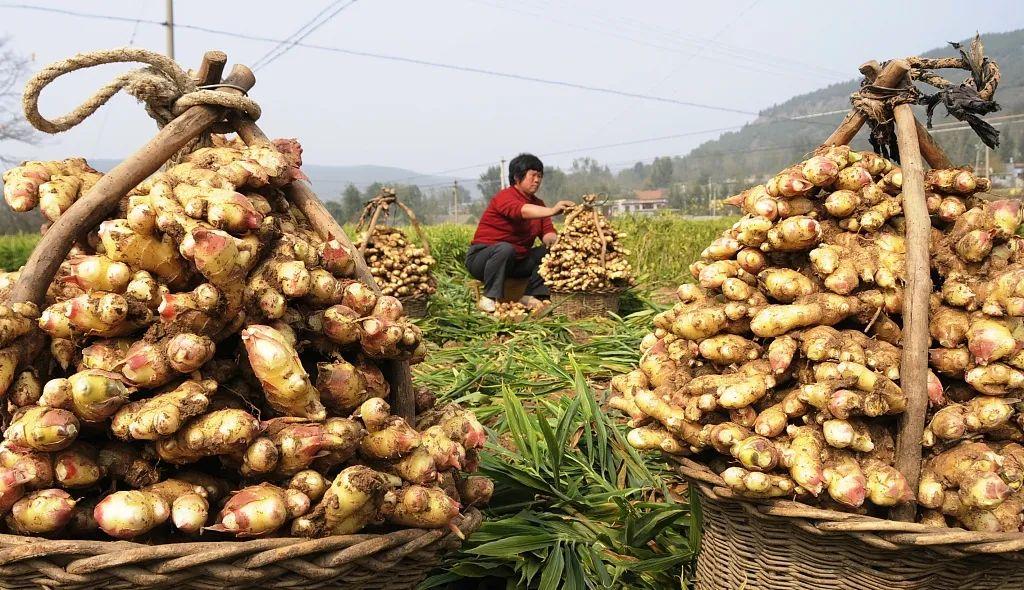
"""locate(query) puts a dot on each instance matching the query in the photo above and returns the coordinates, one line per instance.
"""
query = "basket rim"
(90, 556)
(617, 291)
(878, 532)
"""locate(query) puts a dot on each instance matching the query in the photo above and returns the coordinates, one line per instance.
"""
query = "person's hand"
(561, 206)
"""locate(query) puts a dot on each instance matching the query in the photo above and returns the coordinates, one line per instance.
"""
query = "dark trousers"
(493, 263)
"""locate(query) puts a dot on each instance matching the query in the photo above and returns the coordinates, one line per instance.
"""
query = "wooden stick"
(97, 204)
(212, 67)
(914, 362)
(870, 69)
(932, 152)
(415, 223)
(890, 75)
(398, 373)
(302, 195)
(369, 229)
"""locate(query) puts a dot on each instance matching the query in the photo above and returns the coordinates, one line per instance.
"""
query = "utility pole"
(170, 28)
(501, 174)
(707, 209)
(988, 169)
(455, 199)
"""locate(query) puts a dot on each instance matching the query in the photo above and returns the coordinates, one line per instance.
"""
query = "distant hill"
(330, 181)
(766, 146)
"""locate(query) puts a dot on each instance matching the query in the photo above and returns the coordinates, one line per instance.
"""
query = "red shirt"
(503, 221)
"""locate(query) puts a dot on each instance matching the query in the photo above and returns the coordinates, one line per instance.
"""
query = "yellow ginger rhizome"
(779, 366)
(588, 256)
(401, 268)
(212, 364)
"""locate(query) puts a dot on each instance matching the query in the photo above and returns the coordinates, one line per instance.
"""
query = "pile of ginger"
(211, 364)
(779, 368)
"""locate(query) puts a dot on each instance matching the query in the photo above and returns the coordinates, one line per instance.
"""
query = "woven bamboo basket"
(415, 308)
(394, 559)
(780, 545)
(578, 305)
(397, 560)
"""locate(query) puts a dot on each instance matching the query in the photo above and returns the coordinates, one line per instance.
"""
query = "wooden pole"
(398, 373)
(914, 362)
(932, 152)
(97, 204)
(302, 195)
(212, 68)
(369, 229)
(889, 77)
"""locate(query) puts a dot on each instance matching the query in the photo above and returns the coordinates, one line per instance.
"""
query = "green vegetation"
(574, 505)
(662, 245)
(14, 250)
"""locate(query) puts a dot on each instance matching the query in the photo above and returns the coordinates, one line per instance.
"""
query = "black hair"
(522, 164)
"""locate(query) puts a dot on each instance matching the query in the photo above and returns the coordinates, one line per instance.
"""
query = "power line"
(941, 128)
(580, 149)
(403, 59)
(266, 55)
(800, 118)
(306, 34)
(681, 63)
(937, 128)
(746, 63)
(620, 23)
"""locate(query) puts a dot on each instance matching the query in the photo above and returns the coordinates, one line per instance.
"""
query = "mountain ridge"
(765, 146)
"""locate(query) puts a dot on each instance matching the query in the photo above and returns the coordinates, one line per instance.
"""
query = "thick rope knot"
(877, 104)
(164, 88)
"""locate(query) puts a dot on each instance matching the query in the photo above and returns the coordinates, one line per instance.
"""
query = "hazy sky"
(348, 109)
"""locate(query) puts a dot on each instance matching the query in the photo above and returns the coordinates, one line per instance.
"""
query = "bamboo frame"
(397, 372)
(912, 136)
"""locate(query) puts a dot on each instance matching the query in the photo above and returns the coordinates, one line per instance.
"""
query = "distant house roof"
(656, 194)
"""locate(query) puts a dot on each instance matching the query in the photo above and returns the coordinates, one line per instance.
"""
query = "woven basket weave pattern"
(398, 560)
(780, 544)
(415, 308)
(741, 550)
(577, 306)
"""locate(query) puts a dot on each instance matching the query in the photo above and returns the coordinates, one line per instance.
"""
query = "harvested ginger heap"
(212, 359)
(588, 256)
(400, 268)
(780, 368)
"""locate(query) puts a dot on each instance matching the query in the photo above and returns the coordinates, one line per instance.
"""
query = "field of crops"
(575, 506)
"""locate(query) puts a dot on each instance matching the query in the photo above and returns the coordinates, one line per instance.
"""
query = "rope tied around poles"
(966, 101)
(877, 104)
(163, 87)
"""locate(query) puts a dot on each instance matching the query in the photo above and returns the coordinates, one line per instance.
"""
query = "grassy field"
(662, 246)
(575, 506)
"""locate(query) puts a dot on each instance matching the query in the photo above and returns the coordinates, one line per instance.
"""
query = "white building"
(643, 203)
